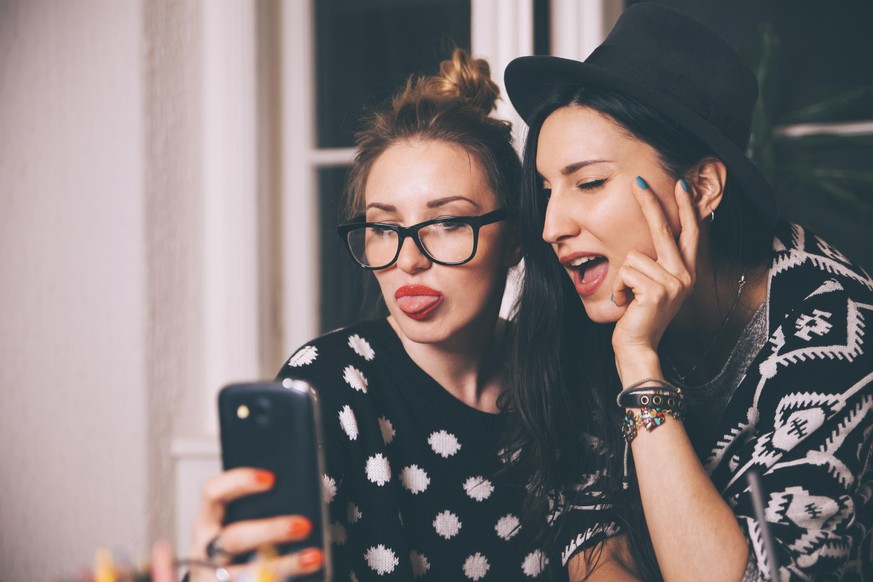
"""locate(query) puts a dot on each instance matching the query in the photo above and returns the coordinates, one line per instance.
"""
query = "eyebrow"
(432, 204)
(575, 167)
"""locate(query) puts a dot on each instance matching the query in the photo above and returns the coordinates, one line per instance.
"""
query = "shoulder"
(804, 265)
(345, 348)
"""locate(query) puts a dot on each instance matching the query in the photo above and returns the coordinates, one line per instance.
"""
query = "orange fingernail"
(265, 478)
(310, 558)
(299, 527)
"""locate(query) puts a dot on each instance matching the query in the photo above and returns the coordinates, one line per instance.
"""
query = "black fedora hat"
(674, 64)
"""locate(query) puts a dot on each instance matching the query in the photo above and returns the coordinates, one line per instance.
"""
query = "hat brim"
(530, 79)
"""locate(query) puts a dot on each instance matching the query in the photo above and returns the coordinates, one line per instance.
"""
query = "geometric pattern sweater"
(411, 481)
(801, 418)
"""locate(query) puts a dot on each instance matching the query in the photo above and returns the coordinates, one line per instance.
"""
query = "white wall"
(100, 333)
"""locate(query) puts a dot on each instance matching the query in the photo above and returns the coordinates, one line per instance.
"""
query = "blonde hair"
(452, 107)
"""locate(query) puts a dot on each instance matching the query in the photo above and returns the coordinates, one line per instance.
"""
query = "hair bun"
(461, 77)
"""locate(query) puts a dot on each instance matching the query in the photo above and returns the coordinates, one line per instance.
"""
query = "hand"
(654, 288)
(246, 536)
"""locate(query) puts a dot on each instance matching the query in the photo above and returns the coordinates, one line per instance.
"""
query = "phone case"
(268, 426)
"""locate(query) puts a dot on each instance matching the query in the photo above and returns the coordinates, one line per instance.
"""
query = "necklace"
(740, 284)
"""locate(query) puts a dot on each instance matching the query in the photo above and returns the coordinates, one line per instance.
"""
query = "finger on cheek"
(620, 296)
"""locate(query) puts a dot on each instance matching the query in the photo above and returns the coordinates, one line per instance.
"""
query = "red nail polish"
(265, 478)
(299, 527)
(310, 558)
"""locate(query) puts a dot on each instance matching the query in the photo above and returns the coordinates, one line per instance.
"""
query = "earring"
(712, 216)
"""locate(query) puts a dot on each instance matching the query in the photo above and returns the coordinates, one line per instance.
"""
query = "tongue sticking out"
(417, 303)
(593, 270)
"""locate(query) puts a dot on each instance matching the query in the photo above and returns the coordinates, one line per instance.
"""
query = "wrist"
(637, 365)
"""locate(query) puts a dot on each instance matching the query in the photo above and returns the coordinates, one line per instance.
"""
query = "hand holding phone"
(271, 427)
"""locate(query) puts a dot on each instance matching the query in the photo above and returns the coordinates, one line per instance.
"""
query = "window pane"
(348, 292)
(365, 49)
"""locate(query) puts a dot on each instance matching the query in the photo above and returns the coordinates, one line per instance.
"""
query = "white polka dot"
(328, 488)
(420, 564)
(507, 526)
(478, 488)
(338, 533)
(353, 513)
(305, 355)
(378, 469)
(355, 378)
(349, 422)
(476, 566)
(361, 347)
(381, 560)
(444, 443)
(387, 429)
(414, 478)
(447, 524)
(534, 564)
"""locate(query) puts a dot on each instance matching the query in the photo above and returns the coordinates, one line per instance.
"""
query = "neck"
(705, 331)
(467, 365)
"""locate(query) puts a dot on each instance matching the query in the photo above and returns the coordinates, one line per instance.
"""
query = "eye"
(450, 225)
(590, 185)
(380, 230)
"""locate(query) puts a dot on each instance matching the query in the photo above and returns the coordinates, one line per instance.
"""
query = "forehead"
(574, 133)
(411, 173)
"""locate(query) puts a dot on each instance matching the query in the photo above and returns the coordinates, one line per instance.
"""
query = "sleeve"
(584, 526)
(809, 439)
(582, 515)
(308, 364)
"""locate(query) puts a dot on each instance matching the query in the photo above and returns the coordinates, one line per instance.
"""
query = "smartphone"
(274, 426)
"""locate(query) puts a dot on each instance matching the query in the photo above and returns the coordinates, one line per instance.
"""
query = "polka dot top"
(411, 478)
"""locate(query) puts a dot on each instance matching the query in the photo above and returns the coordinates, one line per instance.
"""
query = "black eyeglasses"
(450, 241)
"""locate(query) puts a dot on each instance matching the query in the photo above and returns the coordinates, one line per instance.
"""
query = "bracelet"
(649, 419)
(660, 381)
(649, 396)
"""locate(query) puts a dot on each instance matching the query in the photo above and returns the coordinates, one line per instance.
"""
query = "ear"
(708, 179)
(512, 246)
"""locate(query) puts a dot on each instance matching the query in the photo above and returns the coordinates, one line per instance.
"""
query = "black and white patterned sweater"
(801, 417)
(411, 479)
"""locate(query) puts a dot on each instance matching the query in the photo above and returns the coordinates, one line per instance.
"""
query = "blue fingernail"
(642, 183)
(684, 185)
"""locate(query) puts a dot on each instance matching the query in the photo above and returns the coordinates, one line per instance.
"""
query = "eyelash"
(593, 184)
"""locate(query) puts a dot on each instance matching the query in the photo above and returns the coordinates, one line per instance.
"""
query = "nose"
(411, 259)
(559, 222)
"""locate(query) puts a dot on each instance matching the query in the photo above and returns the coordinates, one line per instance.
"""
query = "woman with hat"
(692, 385)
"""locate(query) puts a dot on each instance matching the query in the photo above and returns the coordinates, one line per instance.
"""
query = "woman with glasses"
(409, 403)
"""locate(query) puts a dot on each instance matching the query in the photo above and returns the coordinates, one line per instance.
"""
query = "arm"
(694, 532)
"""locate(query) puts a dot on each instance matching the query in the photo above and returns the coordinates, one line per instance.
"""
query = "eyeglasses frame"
(476, 222)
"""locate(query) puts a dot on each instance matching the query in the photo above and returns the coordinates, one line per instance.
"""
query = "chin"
(602, 310)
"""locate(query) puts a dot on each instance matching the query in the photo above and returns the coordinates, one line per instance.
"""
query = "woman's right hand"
(246, 536)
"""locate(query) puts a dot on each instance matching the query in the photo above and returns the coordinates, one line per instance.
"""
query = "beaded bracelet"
(649, 419)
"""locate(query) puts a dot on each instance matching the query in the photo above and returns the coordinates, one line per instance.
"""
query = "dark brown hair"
(451, 107)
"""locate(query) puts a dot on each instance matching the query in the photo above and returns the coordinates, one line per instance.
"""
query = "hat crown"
(683, 59)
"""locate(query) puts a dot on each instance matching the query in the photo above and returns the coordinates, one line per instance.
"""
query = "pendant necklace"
(740, 284)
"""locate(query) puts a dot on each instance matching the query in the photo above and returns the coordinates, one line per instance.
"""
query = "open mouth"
(588, 273)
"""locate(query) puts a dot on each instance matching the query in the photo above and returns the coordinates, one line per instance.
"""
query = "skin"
(659, 284)
(415, 181)
(456, 344)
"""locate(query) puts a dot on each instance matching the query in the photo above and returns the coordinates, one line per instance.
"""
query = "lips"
(587, 270)
(417, 301)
